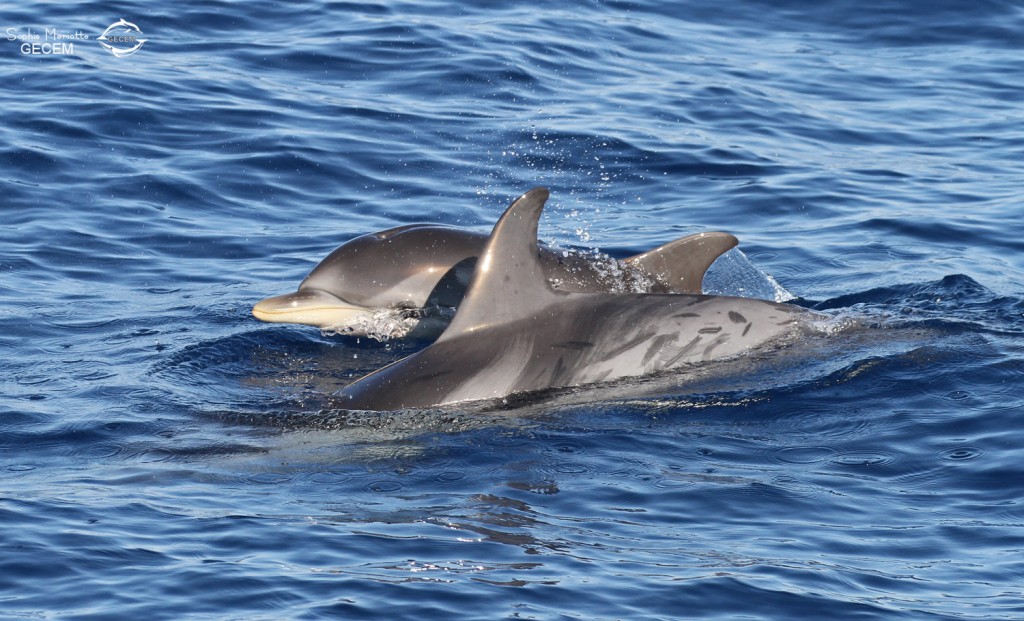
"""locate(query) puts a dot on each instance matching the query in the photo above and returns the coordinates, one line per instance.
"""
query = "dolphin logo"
(130, 33)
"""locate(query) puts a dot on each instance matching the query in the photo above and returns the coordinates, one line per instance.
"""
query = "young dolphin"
(422, 270)
(514, 332)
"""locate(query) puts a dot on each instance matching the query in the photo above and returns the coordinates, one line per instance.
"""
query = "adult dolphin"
(421, 271)
(514, 332)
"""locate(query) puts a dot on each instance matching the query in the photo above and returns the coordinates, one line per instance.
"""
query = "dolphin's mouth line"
(310, 307)
(307, 309)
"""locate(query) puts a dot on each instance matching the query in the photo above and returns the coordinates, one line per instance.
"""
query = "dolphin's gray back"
(579, 339)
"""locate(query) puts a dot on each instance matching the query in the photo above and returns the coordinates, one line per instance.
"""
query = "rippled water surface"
(165, 456)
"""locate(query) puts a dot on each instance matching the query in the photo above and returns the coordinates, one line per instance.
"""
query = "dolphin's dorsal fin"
(680, 265)
(508, 282)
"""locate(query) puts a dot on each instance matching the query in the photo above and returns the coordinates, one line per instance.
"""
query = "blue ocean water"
(163, 455)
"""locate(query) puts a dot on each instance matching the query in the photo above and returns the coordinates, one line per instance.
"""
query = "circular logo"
(121, 38)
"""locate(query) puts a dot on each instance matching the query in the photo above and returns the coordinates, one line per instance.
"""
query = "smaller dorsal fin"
(680, 265)
(509, 282)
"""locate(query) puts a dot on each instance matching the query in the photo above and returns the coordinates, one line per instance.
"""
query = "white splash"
(382, 324)
(734, 274)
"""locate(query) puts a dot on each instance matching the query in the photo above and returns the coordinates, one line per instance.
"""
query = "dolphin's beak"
(312, 307)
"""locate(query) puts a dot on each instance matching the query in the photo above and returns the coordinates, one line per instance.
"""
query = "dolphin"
(515, 333)
(420, 272)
